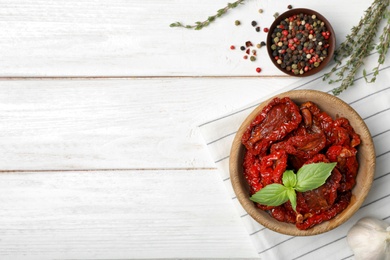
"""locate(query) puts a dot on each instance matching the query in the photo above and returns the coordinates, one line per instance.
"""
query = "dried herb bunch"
(199, 25)
(358, 45)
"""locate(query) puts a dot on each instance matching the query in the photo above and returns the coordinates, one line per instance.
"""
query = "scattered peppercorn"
(245, 57)
(289, 7)
(258, 70)
(252, 58)
(254, 23)
(258, 45)
(276, 15)
(237, 22)
(263, 43)
(266, 30)
(232, 47)
(248, 44)
(242, 48)
(258, 29)
(261, 11)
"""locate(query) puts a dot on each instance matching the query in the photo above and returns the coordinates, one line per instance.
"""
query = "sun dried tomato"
(302, 146)
(272, 167)
(276, 120)
(343, 133)
(316, 121)
(320, 199)
(346, 163)
(252, 172)
(335, 209)
(283, 214)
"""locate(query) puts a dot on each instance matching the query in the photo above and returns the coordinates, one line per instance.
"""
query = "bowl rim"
(367, 162)
(332, 42)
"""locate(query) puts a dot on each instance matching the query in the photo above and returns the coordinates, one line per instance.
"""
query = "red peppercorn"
(245, 57)
(266, 29)
(232, 47)
(258, 70)
(285, 32)
(248, 44)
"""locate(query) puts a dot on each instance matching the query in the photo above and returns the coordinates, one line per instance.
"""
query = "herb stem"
(199, 25)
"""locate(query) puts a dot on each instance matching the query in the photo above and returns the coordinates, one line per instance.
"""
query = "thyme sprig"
(199, 25)
(358, 45)
(382, 48)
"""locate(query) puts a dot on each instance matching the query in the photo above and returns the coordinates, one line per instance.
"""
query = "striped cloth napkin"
(371, 101)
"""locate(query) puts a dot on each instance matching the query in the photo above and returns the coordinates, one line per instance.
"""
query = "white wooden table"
(101, 157)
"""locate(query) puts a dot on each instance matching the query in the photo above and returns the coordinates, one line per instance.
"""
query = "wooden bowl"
(331, 40)
(335, 107)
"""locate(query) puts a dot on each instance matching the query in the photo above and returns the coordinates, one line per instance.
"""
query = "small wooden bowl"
(331, 40)
(335, 107)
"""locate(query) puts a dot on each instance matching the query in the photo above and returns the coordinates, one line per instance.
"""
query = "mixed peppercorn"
(300, 43)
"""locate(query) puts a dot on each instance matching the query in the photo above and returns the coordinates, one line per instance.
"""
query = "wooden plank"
(133, 38)
(116, 124)
(119, 215)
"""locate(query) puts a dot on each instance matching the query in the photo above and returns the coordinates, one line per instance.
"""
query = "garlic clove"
(369, 239)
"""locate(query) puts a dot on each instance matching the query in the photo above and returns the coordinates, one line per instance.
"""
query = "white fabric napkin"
(371, 101)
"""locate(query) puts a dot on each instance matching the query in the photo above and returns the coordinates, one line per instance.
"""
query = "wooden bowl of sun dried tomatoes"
(301, 42)
(302, 163)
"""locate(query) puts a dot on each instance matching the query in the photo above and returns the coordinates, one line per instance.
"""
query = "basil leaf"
(271, 195)
(312, 176)
(289, 179)
(292, 196)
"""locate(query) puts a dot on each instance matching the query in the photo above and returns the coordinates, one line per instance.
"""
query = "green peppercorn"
(261, 11)
(252, 58)
(237, 22)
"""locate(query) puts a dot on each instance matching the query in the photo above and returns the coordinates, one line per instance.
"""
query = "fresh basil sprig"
(309, 177)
